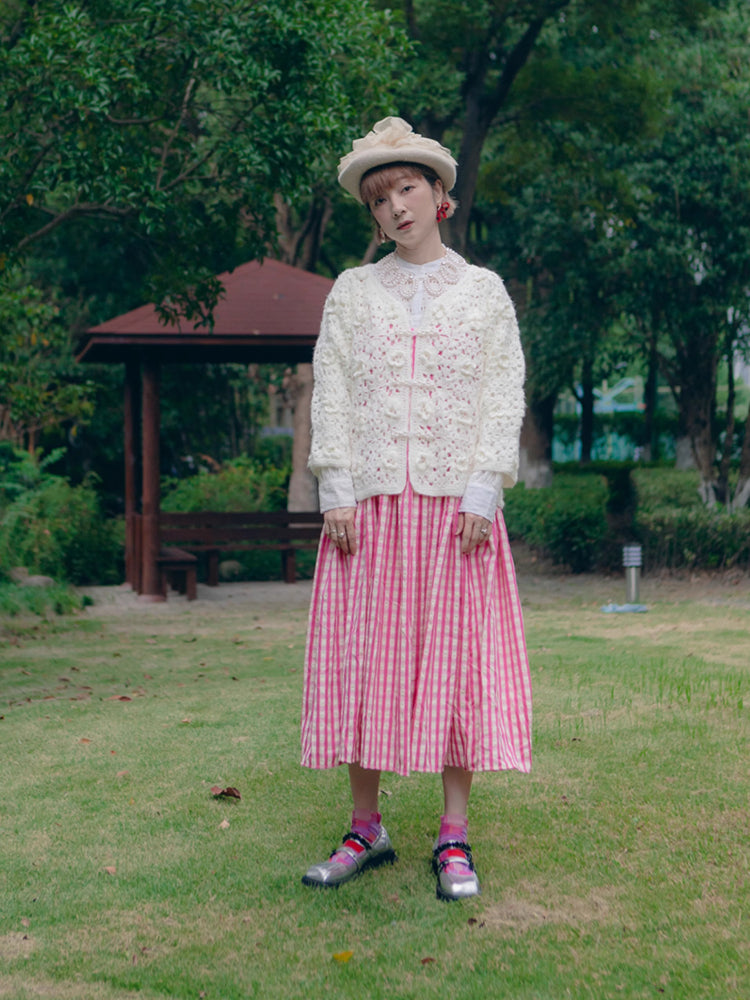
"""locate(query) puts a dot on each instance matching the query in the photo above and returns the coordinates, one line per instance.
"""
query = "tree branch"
(180, 119)
(17, 30)
(26, 179)
(517, 59)
(83, 208)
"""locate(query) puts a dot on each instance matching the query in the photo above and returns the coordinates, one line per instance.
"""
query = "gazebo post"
(130, 408)
(150, 584)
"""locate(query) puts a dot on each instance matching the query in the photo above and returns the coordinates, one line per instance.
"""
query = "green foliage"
(59, 599)
(585, 517)
(213, 413)
(179, 121)
(666, 488)
(694, 538)
(58, 530)
(567, 520)
(678, 531)
(39, 387)
(239, 485)
(21, 471)
(242, 485)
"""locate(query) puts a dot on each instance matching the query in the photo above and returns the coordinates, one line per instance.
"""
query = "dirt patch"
(15, 946)
(515, 914)
(539, 581)
(52, 989)
(240, 601)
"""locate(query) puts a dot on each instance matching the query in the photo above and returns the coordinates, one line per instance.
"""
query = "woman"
(416, 657)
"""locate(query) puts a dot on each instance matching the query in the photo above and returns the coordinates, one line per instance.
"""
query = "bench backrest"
(207, 529)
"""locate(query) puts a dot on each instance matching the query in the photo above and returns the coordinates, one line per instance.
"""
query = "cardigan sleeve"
(335, 489)
(331, 408)
(502, 398)
(483, 494)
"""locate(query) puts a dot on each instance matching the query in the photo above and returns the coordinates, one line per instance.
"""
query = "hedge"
(588, 513)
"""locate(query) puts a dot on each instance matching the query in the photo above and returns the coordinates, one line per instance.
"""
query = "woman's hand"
(339, 525)
(474, 531)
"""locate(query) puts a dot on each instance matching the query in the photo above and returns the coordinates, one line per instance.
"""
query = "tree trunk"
(303, 491)
(692, 377)
(300, 244)
(697, 413)
(741, 496)
(482, 104)
(651, 398)
(536, 443)
(587, 410)
(469, 156)
(726, 458)
(300, 239)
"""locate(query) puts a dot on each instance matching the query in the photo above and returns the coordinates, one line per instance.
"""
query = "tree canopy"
(178, 119)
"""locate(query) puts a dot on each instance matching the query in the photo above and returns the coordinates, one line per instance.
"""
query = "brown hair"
(376, 181)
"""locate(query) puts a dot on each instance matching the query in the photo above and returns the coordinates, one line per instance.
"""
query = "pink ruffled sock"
(453, 828)
(367, 825)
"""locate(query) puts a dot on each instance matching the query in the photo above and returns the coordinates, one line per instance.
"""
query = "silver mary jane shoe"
(331, 874)
(454, 885)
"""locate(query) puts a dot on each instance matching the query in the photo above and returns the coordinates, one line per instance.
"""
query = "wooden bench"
(180, 569)
(214, 532)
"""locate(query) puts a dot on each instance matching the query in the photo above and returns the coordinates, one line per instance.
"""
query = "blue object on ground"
(620, 608)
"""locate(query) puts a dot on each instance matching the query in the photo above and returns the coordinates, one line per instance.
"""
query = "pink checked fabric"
(416, 656)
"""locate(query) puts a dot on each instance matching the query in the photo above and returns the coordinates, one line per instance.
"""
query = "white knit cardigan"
(436, 403)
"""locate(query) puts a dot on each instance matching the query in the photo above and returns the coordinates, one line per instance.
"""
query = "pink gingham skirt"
(416, 657)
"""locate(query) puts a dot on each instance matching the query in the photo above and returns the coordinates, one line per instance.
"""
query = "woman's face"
(405, 210)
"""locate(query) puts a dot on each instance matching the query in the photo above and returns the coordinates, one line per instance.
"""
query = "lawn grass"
(618, 868)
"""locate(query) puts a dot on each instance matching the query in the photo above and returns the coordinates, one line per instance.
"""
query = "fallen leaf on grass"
(84, 740)
(427, 961)
(122, 774)
(110, 870)
(224, 825)
(225, 793)
(342, 956)
(119, 697)
(25, 922)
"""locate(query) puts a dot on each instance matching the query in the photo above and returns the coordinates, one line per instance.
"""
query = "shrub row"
(585, 517)
(58, 530)
(53, 528)
(581, 521)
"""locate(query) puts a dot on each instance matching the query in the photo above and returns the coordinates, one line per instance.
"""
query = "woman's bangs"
(380, 179)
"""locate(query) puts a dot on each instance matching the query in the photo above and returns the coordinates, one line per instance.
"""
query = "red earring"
(442, 212)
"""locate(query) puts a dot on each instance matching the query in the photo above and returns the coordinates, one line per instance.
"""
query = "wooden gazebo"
(270, 312)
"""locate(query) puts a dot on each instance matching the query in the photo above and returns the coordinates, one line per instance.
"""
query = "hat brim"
(352, 174)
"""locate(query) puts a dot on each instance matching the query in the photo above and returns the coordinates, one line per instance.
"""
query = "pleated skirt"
(416, 657)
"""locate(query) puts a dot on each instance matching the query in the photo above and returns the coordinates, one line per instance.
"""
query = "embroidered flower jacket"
(435, 403)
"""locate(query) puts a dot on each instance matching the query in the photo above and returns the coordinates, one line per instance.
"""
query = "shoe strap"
(465, 857)
(358, 839)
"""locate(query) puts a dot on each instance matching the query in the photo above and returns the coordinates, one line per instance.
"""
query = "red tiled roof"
(269, 311)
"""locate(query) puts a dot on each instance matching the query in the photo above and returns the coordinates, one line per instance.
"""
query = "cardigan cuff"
(483, 494)
(335, 489)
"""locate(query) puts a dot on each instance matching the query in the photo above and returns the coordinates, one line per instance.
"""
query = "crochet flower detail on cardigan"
(435, 404)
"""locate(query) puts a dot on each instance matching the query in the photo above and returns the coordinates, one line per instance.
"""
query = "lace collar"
(405, 281)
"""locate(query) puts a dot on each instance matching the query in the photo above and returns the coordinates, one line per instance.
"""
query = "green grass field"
(617, 869)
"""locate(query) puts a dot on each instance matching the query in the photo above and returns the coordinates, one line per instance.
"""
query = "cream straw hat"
(393, 140)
